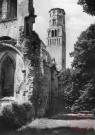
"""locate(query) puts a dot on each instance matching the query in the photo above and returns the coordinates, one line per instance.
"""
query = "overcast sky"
(76, 21)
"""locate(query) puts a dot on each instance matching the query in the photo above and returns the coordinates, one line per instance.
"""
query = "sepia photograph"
(47, 67)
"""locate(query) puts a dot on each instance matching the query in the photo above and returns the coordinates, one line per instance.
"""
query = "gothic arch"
(6, 55)
(4, 45)
(7, 74)
(5, 38)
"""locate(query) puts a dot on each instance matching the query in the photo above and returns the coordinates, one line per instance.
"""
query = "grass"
(55, 127)
(57, 131)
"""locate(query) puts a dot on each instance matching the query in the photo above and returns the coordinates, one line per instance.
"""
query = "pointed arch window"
(7, 76)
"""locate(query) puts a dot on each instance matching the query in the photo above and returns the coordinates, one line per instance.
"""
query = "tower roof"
(57, 9)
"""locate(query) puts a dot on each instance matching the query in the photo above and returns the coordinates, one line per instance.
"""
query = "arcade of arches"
(54, 33)
(54, 37)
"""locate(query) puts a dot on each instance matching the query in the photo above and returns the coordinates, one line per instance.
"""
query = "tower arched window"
(55, 33)
(52, 33)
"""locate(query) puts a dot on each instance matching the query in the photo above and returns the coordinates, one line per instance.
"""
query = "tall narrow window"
(12, 9)
(4, 9)
(8, 9)
(7, 77)
(52, 33)
(55, 33)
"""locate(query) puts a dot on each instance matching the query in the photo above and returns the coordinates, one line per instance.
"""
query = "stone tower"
(56, 39)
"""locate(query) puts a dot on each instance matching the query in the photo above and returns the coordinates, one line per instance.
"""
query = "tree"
(88, 6)
(68, 85)
(84, 50)
(84, 62)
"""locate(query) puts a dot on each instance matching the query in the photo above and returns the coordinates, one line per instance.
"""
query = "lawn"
(55, 131)
(56, 127)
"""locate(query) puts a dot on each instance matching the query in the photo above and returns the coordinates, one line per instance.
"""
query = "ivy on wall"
(33, 52)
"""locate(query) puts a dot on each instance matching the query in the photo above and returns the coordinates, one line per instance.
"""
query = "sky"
(76, 21)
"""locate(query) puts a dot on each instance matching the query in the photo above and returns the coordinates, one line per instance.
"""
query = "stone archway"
(7, 76)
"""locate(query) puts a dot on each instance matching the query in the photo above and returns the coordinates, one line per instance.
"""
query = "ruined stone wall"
(54, 89)
(50, 86)
(9, 29)
(46, 90)
(50, 83)
(15, 28)
(18, 29)
(12, 27)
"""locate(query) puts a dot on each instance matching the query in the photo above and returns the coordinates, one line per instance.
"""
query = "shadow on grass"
(54, 131)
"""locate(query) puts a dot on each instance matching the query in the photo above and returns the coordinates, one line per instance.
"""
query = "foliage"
(15, 115)
(33, 52)
(84, 56)
(87, 97)
(68, 85)
(38, 92)
(88, 6)
(78, 84)
(84, 61)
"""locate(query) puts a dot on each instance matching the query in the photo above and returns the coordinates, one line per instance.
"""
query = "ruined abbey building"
(16, 17)
(16, 80)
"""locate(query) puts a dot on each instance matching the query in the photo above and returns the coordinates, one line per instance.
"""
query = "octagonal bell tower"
(56, 38)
